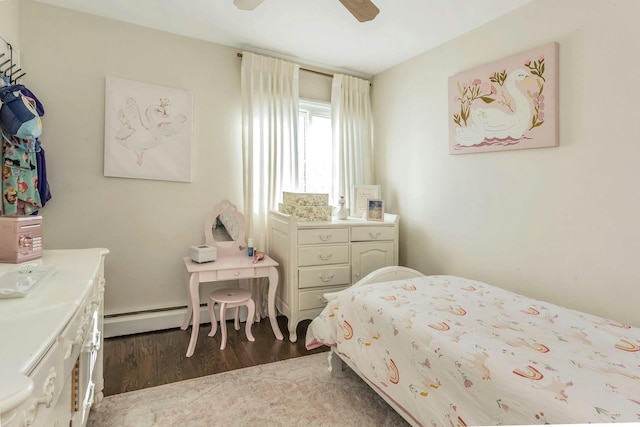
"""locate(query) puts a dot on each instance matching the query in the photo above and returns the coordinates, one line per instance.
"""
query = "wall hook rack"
(8, 73)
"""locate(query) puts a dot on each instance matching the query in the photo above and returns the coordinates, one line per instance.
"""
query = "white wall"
(556, 223)
(147, 225)
(559, 224)
(9, 21)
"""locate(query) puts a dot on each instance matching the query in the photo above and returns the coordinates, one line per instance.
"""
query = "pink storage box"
(20, 238)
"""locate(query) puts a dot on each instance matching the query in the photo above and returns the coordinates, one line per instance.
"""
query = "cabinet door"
(367, 257)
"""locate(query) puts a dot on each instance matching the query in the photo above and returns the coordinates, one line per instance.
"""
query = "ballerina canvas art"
(147, 131)
(506, 105)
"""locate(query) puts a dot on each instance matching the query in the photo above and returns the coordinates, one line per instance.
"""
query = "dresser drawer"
(323, 235)
(314, 277)
(366, 234)
(323, 255)
(73, 335)
(48, 382)
(313, 298)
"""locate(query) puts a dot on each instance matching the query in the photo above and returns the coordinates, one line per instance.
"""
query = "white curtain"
(269, 133)
(269, 137)
(352, 125)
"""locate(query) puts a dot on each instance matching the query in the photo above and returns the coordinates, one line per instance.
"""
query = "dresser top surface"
(389, 220)
(30, 325)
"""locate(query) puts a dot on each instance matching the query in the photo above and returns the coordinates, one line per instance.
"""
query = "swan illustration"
(494, 125)
(141, 132)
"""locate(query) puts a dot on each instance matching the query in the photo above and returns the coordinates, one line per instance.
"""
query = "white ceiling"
(319, 33)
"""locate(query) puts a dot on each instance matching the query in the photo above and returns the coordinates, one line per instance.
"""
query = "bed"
(449, 351)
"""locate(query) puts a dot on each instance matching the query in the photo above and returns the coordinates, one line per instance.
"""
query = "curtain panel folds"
(270, 98)
(270, 108)
(352, 126)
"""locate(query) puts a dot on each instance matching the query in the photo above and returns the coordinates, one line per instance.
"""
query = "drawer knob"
(70, 344)
(326, 278)
(95, 302)
(374, 235)
(79, 338)
(95, 346)
(325, 257)
(48, 388)
(324, 237)
(237, 273)
(46, 399)
(89, 402)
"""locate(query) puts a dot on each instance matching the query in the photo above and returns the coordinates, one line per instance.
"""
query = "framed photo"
(360, 195)
(375, 210)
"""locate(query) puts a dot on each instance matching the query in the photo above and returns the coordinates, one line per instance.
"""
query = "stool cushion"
(230, 295)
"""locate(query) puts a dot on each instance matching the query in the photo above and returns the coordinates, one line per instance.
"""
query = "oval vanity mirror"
(224, 228)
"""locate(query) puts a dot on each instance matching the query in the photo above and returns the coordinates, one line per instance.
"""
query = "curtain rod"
(304, 69)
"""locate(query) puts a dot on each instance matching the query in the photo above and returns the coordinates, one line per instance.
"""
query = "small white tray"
(16, 282)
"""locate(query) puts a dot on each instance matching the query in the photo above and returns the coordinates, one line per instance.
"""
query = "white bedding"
(452, 351)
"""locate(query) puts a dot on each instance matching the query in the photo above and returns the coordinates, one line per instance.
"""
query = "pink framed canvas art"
(509, 104)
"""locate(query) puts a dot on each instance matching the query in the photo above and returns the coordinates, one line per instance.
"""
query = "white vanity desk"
(50, 342)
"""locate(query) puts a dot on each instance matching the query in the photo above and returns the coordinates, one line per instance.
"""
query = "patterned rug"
(294, 392)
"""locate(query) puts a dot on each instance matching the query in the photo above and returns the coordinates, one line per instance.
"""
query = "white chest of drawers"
(327, 256)
(50, 343)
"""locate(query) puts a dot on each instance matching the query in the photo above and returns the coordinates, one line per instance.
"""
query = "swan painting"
(142, 132)
(148, 131)
(509, 104)
(493, 125)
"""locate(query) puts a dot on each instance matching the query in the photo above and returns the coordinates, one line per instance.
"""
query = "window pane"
(315, 147)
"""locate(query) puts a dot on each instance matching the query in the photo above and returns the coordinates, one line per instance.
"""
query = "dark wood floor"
(139, 361)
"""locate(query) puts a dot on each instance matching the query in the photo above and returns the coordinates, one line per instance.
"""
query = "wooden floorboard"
(134, 362)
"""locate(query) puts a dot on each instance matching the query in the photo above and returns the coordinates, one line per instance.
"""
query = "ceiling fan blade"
(247, 4)
(363, 10)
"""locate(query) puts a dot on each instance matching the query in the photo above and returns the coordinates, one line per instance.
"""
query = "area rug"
(294, 392)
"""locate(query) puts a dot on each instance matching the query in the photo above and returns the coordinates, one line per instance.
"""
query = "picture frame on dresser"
(375, 210)
(360, 195)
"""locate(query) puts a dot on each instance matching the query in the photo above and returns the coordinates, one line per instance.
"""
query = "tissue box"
(203, 253)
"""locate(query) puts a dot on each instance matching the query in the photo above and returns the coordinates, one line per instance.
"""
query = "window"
(315, 148)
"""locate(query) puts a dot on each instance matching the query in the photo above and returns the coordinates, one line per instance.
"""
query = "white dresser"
(51, 343)
(320, 257)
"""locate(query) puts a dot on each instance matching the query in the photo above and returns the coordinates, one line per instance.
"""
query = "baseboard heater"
(120, 324)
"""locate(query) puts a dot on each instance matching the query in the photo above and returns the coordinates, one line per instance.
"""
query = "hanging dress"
(24, 185)
(19, 176)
